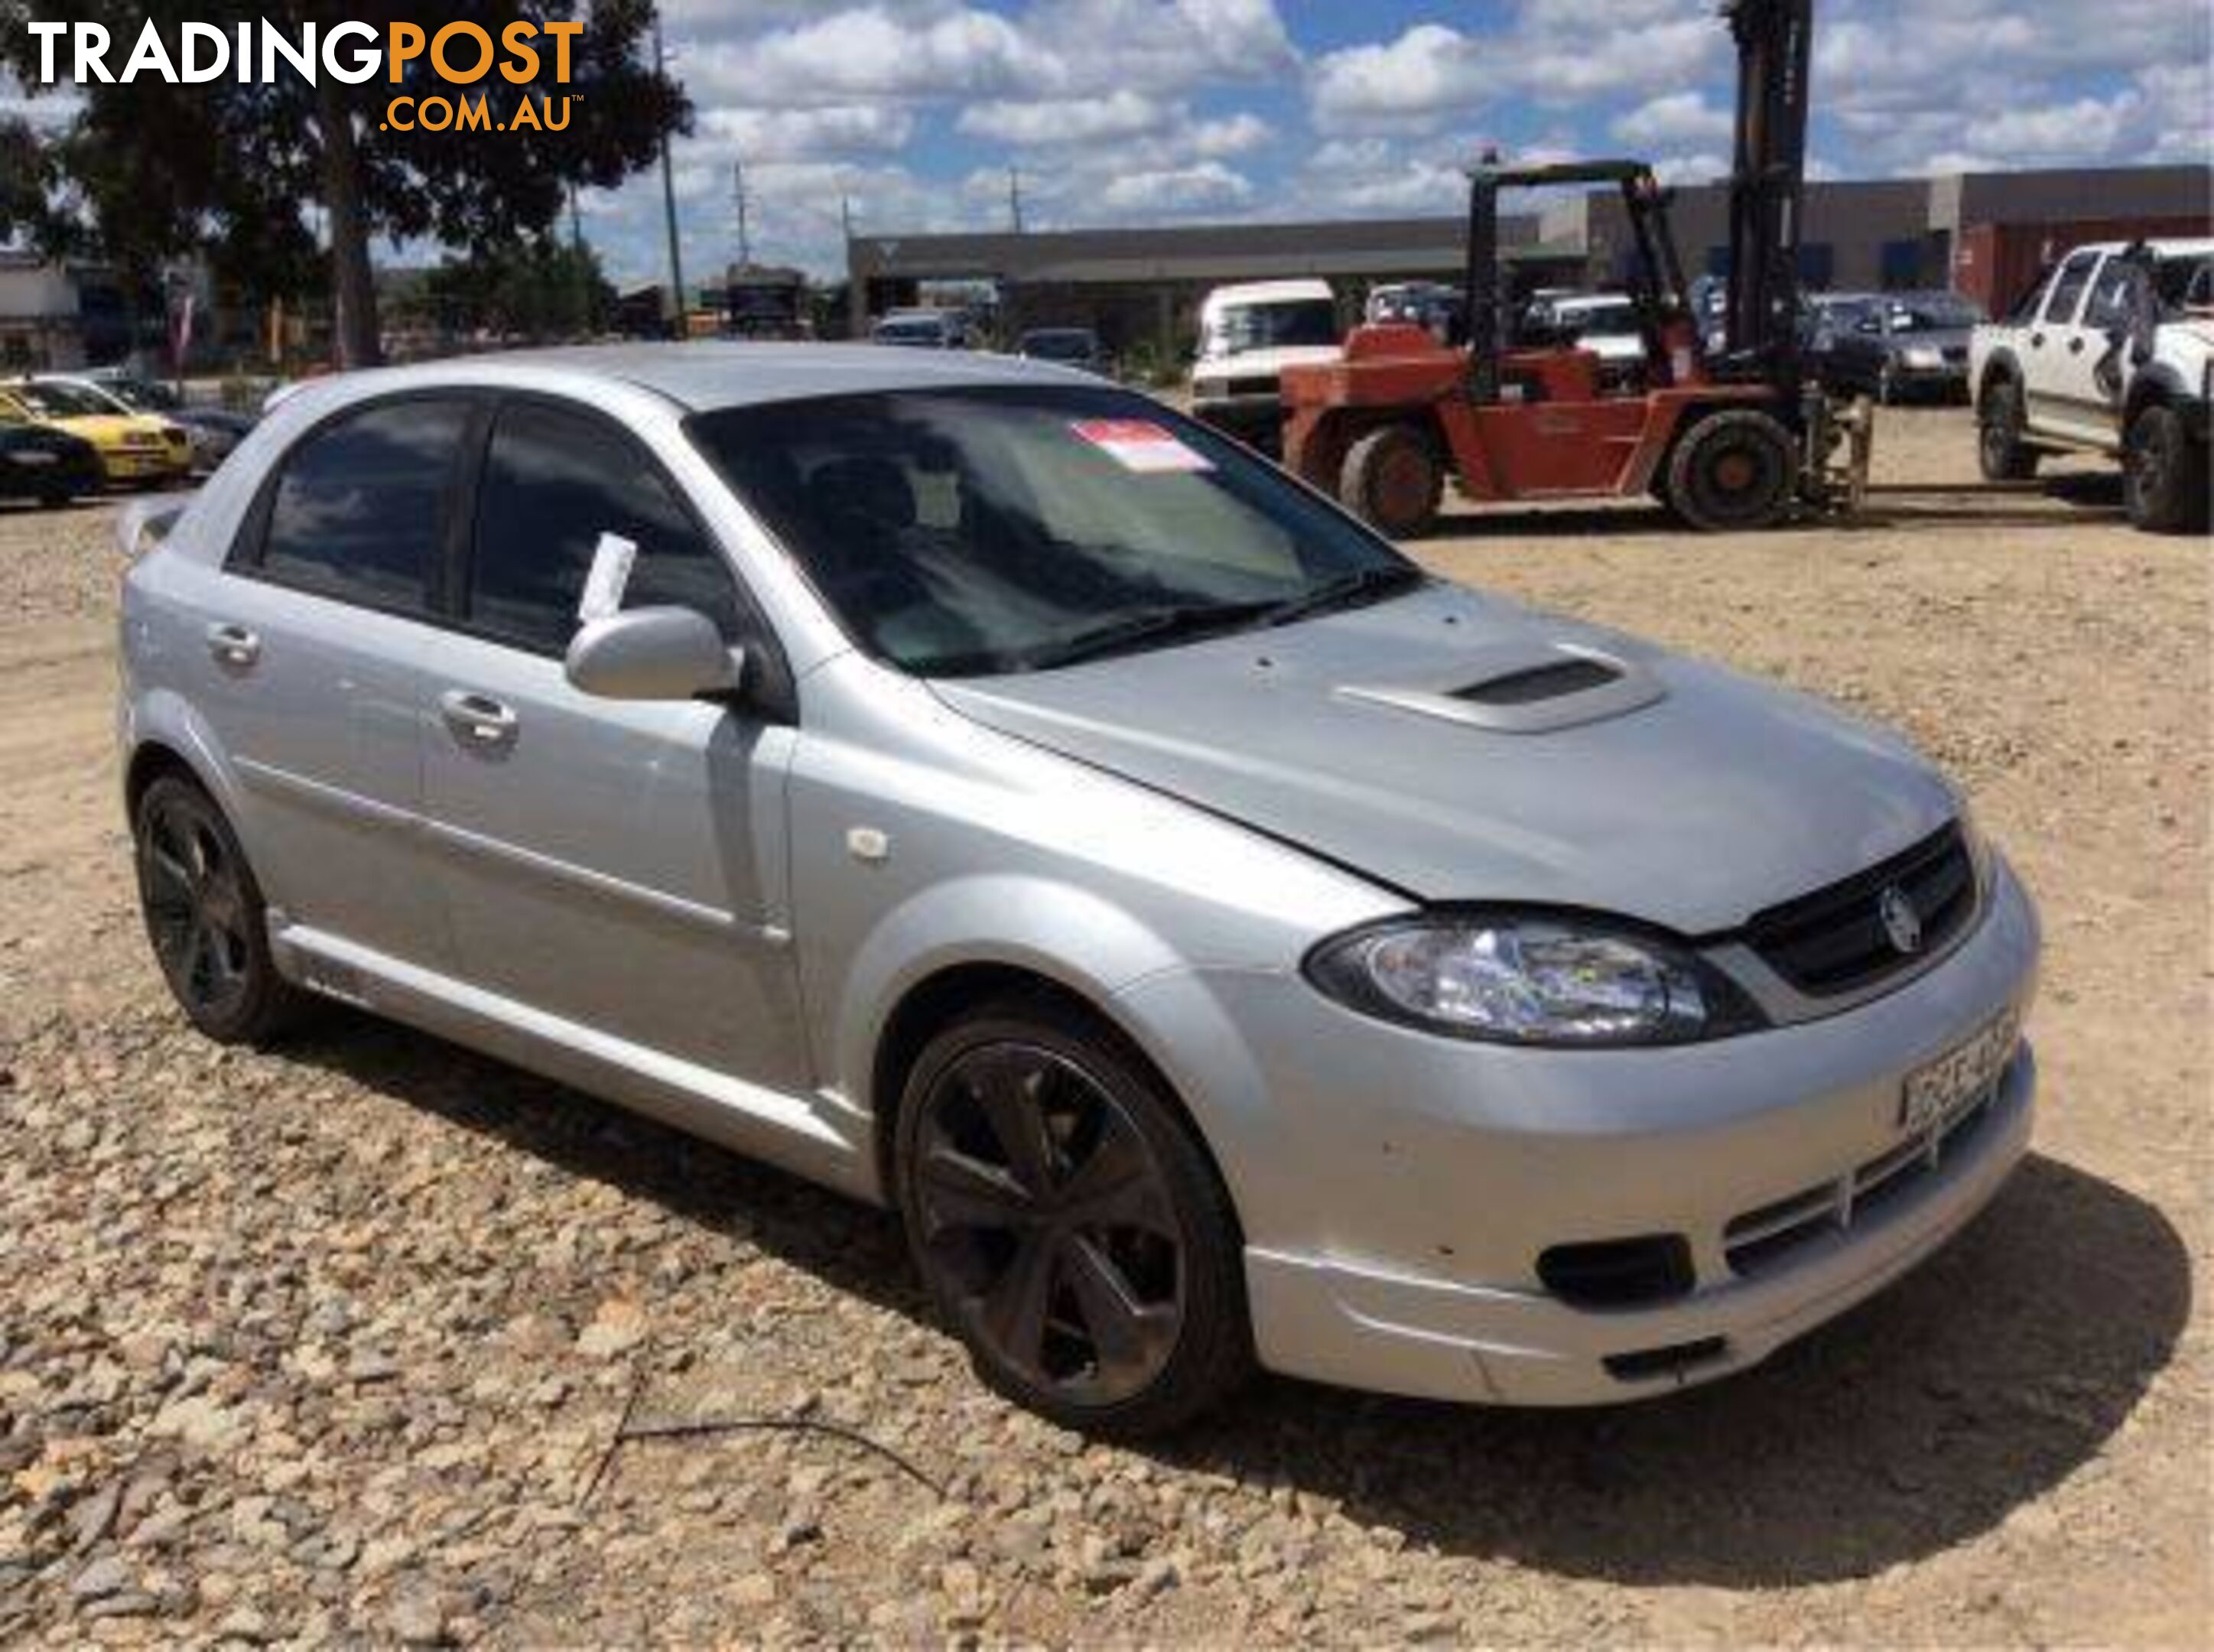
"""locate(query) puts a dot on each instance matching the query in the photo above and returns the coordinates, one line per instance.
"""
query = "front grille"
(1254, 384)
(1835, 940)
(1761, 1239)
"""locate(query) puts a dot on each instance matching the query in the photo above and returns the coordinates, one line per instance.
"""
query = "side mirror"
(653, 653)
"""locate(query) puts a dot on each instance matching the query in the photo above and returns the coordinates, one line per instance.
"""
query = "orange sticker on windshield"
(1140, 444)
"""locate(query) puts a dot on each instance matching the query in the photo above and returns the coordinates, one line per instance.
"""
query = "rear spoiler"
(146, 521)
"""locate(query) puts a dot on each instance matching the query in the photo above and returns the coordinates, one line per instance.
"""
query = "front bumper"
(141, 464)
(1398, 1189)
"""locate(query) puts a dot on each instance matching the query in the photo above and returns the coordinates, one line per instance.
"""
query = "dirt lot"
(331, 1343)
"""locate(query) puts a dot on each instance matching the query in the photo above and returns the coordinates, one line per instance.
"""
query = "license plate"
(1935, 1093)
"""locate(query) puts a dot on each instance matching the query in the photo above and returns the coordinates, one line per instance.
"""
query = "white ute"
(1247, 334)
(2112, 352)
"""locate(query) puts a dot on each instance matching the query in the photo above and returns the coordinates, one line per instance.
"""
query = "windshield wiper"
(1148, 625)
(1347, 589)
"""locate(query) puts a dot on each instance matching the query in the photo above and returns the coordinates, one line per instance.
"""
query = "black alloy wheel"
(1068, 1225)
(204, 916)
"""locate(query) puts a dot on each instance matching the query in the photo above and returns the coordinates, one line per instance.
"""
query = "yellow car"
(133, 447)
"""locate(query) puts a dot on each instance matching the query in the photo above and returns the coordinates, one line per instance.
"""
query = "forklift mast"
(1767, 190)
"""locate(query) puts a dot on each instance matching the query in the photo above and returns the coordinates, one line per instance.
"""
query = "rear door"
(618, 865)
(2061, 353)
(307, 661)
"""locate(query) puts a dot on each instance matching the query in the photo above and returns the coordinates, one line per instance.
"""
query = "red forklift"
(1737, 438)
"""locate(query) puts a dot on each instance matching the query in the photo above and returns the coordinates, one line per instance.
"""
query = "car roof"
(2176, 246)
(705, 376)
(1269, 292)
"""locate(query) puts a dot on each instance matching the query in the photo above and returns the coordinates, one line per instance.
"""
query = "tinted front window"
(359, 510)
(957, 533)
(553, 483)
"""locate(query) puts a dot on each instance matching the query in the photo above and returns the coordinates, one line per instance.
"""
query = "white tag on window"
(610, 573)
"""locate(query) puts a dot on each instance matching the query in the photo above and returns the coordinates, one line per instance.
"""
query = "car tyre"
(2000, 451)
(1733, 471)
(1069, 1224)
(205, 918)
(1393, 479)
(2164, 474)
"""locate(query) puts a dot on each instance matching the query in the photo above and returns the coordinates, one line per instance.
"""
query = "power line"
(745, 232)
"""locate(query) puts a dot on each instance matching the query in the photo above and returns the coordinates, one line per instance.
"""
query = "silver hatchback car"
(989, 793)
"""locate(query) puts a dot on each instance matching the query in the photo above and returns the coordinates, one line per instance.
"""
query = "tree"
(536, 288)
(156, 171)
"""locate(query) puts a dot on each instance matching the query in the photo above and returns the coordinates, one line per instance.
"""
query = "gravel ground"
(331, 1344)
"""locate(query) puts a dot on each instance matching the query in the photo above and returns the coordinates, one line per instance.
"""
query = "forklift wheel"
(1392, 479)
(1733, 470)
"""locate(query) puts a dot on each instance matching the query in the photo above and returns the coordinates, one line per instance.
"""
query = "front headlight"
(1532, 978)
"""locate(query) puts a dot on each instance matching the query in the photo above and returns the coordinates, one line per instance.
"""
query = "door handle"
(2075, 346)
(233, 645)
(2037, 341)
(477, 719)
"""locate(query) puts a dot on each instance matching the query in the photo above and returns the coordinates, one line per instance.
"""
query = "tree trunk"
(354, 287)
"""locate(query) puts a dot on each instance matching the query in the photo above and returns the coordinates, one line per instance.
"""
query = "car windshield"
(1241, 327)
(65, 401)
(1942, 312)
(1059, 345)
(1598, 320)
(1017, 528)
(919, 331)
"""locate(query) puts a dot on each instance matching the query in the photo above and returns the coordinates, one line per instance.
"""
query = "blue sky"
(1150, 111)
(1159, 111)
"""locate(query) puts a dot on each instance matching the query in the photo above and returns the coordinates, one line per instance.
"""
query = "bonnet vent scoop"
(1526, 689)
(1537, 683)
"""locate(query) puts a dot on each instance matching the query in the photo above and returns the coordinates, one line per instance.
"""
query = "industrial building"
(1138, 288)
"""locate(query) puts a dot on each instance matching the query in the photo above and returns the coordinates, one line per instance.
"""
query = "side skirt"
(820, 1135)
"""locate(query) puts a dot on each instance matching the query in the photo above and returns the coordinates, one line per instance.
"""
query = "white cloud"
(1672, 118)
(805, 134)
(1207, 186)
(1048, 122)
(1549, 52)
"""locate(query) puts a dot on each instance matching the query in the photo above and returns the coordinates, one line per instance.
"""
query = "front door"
(620, 865)
(2064, 348)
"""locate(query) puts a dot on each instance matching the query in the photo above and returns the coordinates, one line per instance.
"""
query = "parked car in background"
(1220, 940)
(141, 449)
(1065, 346)
(1440, 310)
(212, 432)
(44, 462)
(143, 394)
(1247, 334)
(1605, 323)
(1894, 346)
(922, 329)
(2111, 351)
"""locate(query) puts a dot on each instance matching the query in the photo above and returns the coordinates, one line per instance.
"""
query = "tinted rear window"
(359, 510)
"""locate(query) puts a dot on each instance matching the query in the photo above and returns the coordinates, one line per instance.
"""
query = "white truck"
(2112, 352)
(1247, 334)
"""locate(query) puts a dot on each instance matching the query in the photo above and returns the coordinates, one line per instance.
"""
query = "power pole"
(1015, 197)
(745, 236)
(669, 206)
